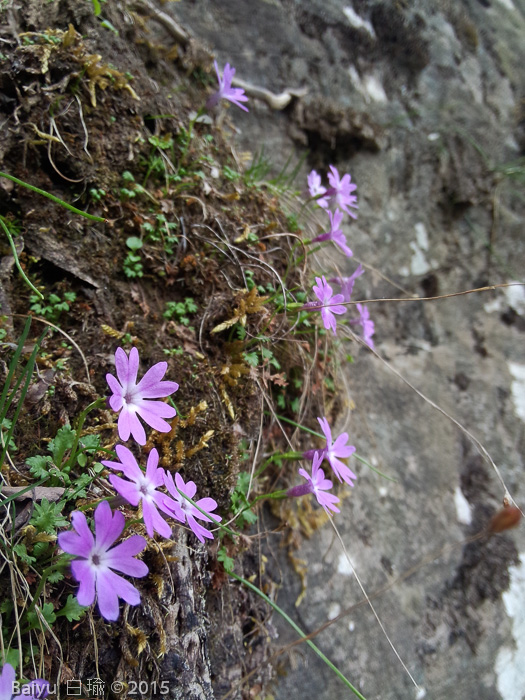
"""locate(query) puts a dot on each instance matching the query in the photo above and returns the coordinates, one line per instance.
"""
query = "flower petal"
(153, 421)
(7, 680)
(124, 424)
(189, 489)
(154, 521)
(135, 427)
(111, 587)
(198, 530)
(127, 489)
(159, 409)
(129, 464)
(121, 557)
(151, 386)
(108, 525)
(80, 542)
(325, 427)
(84, 572)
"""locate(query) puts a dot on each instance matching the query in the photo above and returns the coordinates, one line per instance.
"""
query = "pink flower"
(226, 91)
(184, 511)
(141, 487)
(347, 283)
(341, 189)
(328, 303)
(335, 234)
(96, 559)
(332, 452)
(317, 485)
(366, 323)
(130, 398)
(315, 188)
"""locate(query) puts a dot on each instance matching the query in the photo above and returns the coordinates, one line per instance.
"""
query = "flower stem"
(98, 403)
(52, 198)
(299, 631)
(17, 261)
(42, 583)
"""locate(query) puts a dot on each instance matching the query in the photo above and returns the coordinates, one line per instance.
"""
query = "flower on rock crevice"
(97, 559)
(133, 399)
(347, 283)
(335, 234)
(366, 324)
(316, 189)
(226, 91)
(334, 451)
(184, 511)
(327, 304)
(316, 484)
(141, 488)
(340, 191)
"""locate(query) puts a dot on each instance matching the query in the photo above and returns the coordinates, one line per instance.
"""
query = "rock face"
(423, 103)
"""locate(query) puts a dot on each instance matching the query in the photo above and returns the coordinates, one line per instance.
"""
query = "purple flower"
(130, 398)
(315, 188)
(226, 91)
(184, 511)
(141, 487)
(333, 451)
(367, 324)
(328, 305)
(93, 568)
(335, 234)
(347, 283)
(317, 485)
(341, 189)
(7, 681)
(39, 688)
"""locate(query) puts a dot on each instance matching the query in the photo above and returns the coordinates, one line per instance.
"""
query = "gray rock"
(423, 103)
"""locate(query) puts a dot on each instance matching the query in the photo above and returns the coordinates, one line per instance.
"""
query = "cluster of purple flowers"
(154, 490)
(97, 558)
(339, 195)
(316, 483)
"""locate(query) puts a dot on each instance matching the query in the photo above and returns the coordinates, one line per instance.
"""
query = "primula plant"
(111, 526)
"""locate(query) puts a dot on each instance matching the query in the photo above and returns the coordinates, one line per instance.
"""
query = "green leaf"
(48, 613)
(39, 465)
(64, 440)
(6, 607)
(72, 610)
(21, 552)
(134, 243)
(47, 517)
(267, 354)
(12, 657)
(40, 548)
(251, 358)
(227, 562)
(55, 577)
(191, 306)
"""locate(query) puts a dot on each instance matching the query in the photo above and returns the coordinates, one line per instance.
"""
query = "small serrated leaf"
(72, 610)
(48, 613)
